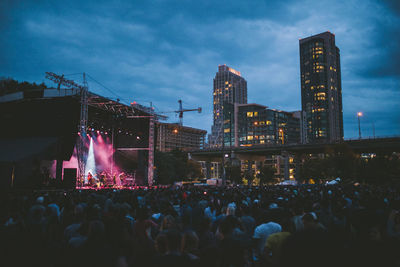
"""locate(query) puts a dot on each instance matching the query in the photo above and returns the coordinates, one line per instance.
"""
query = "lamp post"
(359, 114)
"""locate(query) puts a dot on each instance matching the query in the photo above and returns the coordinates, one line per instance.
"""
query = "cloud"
(161, 51)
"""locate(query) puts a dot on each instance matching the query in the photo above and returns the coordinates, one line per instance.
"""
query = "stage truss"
(132, 111)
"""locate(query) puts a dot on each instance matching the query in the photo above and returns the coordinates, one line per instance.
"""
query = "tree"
(249, 176)
(233, 173)
(175, 166)
(267, 174)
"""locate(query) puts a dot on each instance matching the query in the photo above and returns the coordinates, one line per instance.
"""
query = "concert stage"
(43, 143)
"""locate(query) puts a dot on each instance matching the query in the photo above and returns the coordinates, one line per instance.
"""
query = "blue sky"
(161, 51)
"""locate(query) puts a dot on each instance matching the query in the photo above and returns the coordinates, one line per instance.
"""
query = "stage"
(44, 142)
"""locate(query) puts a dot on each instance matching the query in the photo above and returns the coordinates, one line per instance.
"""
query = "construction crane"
(181, 111)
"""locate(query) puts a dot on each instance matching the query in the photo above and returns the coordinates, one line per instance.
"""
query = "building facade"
(171, 136)
(254, 124)
(229, 88)
(321, 88)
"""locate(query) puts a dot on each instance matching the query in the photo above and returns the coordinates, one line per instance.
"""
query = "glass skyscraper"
(229, 88)
(321, 88)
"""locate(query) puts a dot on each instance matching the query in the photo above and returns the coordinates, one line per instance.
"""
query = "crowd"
(304, 225)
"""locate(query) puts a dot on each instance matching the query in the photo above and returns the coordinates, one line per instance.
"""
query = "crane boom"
(181, 110)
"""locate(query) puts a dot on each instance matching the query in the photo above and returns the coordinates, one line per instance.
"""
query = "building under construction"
(172, 136)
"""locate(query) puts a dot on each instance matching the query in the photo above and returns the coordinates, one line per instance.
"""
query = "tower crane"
(181, 111)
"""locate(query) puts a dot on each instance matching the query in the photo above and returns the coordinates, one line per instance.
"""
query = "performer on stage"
(90, 179)
(102, 178)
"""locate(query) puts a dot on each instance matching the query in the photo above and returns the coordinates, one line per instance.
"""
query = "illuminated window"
(255, 123)
(262, 142)
(227, 130)
(312, 87)
(226, 82)
(262, 122)
(255, 114)
(307, 81)
(290, 160)
(268, 122)
(249, 114)
(262, 136)
(249, 137)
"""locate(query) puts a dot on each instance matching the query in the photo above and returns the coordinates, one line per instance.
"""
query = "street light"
(359, 114)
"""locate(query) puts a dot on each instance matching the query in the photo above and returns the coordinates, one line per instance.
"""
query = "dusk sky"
(162, 51)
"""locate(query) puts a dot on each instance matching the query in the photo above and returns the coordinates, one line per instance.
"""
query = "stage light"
(106, 133)
(137, 137)
(90, 163)
(79, 133)
(98, 131)
(92, 129)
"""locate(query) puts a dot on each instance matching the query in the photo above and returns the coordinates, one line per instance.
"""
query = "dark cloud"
(161, 51)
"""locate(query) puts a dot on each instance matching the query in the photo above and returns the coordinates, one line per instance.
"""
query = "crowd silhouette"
(307, 225)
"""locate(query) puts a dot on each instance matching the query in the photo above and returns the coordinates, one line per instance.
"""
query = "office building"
(321, 89)
(229, 88)
(254, 124)
(171, 136)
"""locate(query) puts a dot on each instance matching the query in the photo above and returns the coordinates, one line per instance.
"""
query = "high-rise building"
(254, 124)
(229, 87)
(321, 88)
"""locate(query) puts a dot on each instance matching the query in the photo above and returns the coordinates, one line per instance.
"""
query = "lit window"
(249, 137)
(307, 81)
(330, 68)
(268, 122)
(255, 123)
(255, 114)
(226, 82)
(262, 142)
(249, 114)
(227, 130)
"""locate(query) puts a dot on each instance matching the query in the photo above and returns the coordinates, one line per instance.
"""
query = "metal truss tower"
(81, 149)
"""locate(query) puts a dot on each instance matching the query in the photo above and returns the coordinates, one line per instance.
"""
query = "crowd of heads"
(303, 225)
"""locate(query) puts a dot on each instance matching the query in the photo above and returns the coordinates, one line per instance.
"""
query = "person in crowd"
(304, 225)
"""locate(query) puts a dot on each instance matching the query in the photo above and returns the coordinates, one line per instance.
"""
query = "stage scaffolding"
(134, 111)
